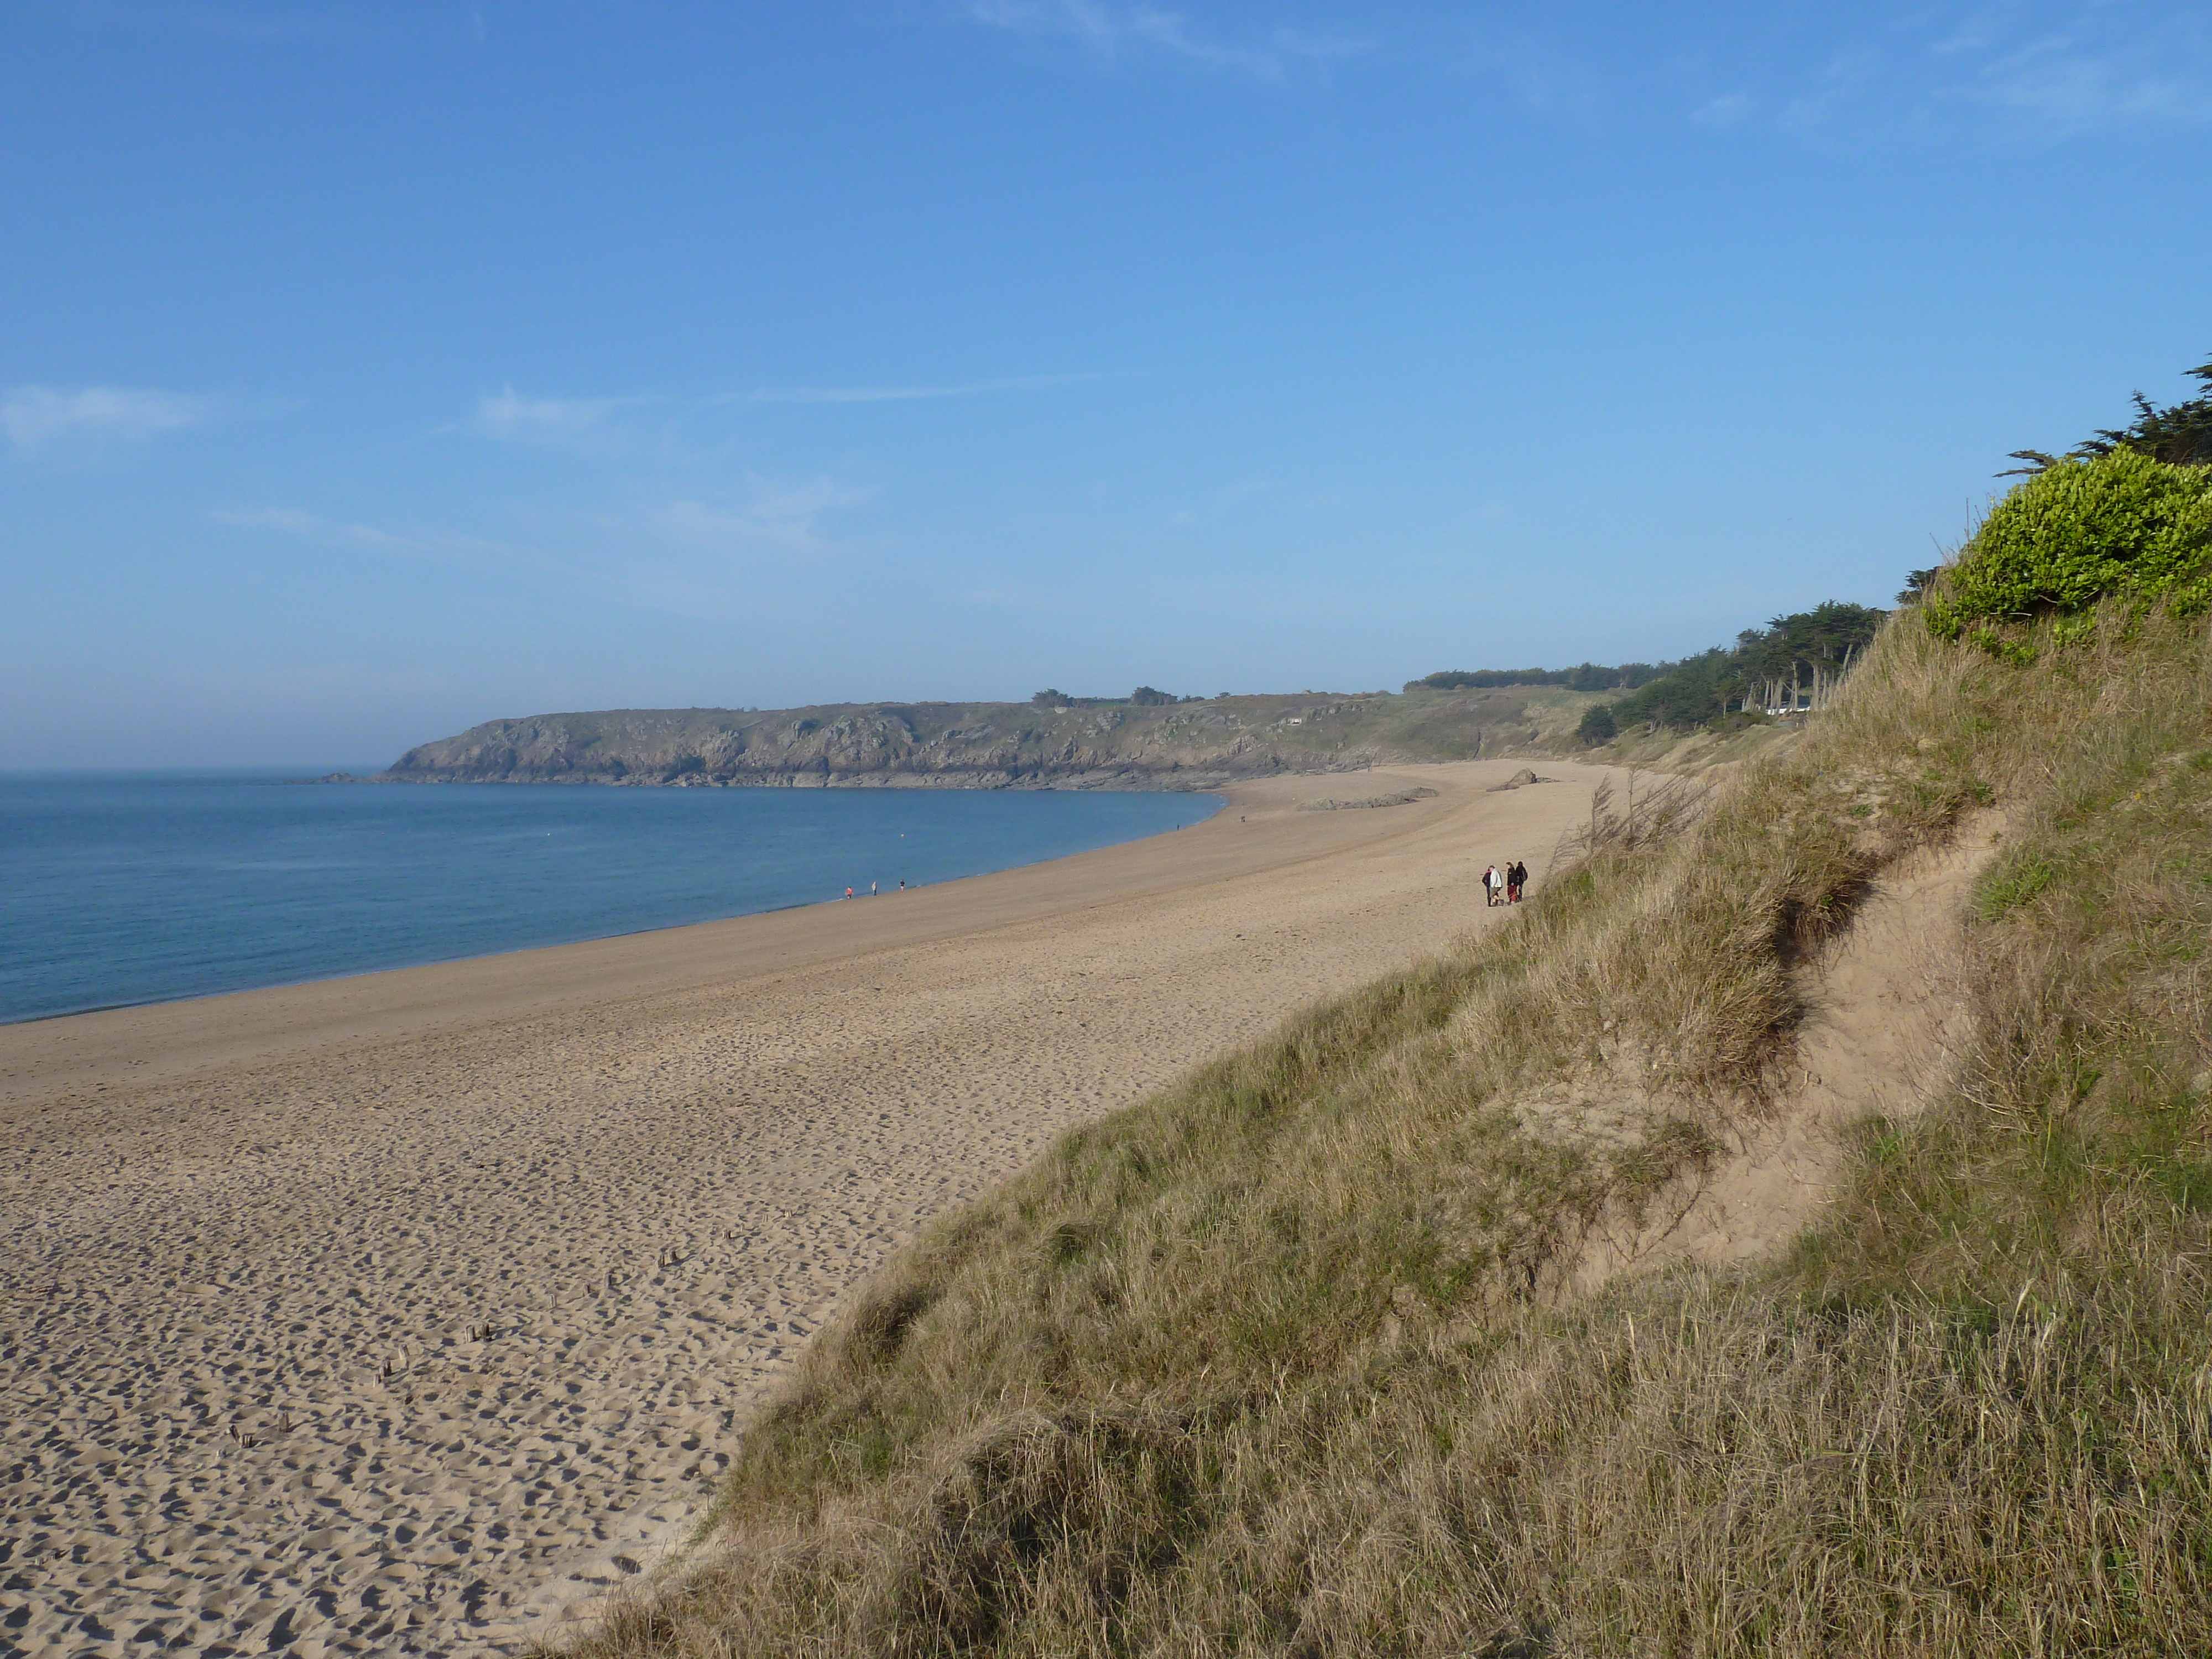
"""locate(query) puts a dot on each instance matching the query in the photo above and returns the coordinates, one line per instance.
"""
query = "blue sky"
(370, 370)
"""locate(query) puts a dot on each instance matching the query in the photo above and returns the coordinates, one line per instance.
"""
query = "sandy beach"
(408, 1313)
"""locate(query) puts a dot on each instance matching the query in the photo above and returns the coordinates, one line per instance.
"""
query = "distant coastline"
(1080, 743)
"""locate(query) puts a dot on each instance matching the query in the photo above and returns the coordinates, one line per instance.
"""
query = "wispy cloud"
(887, 394)
(1541, 73)
(2021, 69)
(36, 417)
(782, 513)
(1109, 33)
(1850, 80)
(508, 414)
(242, 21)
(1724, 111)
(722, 554)
(614, 424)
(2074, 79)
(369, 538)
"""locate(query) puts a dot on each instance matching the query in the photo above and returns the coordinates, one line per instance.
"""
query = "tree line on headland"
(1789, 665)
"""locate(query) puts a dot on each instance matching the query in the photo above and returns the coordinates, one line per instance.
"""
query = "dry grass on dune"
(1280, 1361)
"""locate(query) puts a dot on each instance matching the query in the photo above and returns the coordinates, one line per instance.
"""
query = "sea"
(118, 888)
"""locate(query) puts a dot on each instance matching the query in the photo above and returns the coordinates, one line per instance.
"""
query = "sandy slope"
(584, 1203)
(1889, 1019)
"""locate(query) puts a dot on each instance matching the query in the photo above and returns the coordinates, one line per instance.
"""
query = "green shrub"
(2120, 524)
(1598, 726)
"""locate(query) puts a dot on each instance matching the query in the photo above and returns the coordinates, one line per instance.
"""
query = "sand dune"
(405, 1312)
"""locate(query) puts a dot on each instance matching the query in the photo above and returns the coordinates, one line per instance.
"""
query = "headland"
(1151, 741)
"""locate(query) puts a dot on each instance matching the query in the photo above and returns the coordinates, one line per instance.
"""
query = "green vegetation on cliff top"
(2126, 514)
(2079, 531)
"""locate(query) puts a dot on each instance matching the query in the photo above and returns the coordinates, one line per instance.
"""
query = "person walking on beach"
(1491, 881)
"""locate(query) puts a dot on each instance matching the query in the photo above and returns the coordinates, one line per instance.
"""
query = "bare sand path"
(399, 1314)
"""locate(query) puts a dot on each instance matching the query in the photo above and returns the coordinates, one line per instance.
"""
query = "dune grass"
(1286, 1360)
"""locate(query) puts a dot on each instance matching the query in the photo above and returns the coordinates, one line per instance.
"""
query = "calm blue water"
(142, 888)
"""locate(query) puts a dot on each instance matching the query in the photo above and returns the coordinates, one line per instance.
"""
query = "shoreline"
(589, 939)
(587, 1203)
(164, 1037)
(1089, 781)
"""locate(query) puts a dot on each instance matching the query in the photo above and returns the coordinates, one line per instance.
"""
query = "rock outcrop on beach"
(1521, 779)
(1092, 745)
(1401, 798)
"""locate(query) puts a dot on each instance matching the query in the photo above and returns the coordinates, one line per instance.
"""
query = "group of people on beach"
(1503, 886)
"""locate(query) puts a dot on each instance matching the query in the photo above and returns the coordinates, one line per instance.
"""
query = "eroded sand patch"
(1889, 1020)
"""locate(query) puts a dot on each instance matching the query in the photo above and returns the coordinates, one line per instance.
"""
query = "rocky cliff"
(1188, 745)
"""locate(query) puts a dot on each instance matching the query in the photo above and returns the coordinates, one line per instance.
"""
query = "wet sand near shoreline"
(408, 1313)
